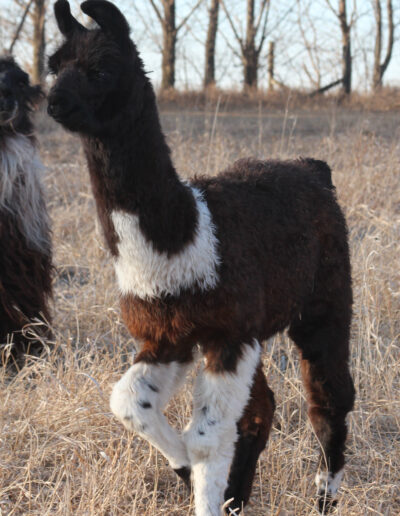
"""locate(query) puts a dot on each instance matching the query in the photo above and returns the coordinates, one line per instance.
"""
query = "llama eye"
(102, 75)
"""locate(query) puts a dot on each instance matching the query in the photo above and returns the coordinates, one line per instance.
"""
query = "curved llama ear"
(108, 17)
(65, 21)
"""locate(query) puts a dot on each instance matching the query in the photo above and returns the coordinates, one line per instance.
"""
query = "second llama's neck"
(131, 172)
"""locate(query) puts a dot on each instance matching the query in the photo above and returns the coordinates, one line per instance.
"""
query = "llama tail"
(321, 170)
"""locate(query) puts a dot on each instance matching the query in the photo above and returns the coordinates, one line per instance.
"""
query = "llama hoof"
(184, 474)
(233, 509)
(326, 504)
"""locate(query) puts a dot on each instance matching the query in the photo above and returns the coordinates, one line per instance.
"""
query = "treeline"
(255, 34)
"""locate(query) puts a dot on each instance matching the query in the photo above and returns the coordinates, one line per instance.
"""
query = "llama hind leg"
(138, 400)
(330, 394)
(219, 401)
(253, 429)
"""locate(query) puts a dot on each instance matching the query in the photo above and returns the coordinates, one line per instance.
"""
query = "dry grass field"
(62, 452)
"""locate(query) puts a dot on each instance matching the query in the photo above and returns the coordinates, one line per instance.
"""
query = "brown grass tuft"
(384, 100)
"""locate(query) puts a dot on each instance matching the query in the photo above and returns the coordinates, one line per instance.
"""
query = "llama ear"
(65, 21)
(108, 17)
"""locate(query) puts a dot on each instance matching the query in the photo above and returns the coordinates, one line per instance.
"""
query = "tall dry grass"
(62, 452)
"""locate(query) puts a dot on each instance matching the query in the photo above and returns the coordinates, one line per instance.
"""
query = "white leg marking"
(219, 401)
(328, 483)
(138, 400)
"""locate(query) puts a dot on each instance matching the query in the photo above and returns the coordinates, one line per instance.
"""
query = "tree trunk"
(209, 74)
(250, 50)
(250, 57)
(39, 43)
(346, 48)
(376, 75)
(271, 62)
(380, 68)
(169, 45)
(250, 65)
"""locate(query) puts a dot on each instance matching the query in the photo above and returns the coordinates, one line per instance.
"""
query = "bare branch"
(353, 16)
(196, 6)
(326, 88)
(148, 28)
(236, 34)
(230, 46)
(260, 15)
(21, 24)
(156, 10)
(328, 3)
(264, 31)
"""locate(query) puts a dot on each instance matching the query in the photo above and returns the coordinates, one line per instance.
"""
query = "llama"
(25, 245)
(219, 263)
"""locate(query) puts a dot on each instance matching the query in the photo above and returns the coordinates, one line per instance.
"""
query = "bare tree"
(166, 16)
(250, 49)
(39, 42)
(209, 73)
(380, 68)
(309, 31)
(345, 28)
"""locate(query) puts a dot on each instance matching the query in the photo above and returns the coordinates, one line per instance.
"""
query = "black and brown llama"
(222, 262)
(25, 245)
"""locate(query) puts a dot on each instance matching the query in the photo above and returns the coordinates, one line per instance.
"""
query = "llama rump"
(222, 263)
(25, 248)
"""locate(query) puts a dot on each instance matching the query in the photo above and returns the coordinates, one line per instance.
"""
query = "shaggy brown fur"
(25, 250)
(284, 257)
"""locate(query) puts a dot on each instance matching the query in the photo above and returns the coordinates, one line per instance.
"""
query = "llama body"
(25, 247)
(223, 263)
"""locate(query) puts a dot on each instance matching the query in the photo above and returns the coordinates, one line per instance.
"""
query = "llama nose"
(5, 91)
(6, 97)
(59, 105)
(6, 105)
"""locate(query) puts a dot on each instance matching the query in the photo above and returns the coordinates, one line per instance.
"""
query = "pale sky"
(319, 26)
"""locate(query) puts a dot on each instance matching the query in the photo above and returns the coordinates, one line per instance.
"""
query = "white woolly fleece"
(21, 191)
(143, 271)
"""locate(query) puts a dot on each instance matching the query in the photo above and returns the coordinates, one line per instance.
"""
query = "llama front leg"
(219, 401)
(138, 400)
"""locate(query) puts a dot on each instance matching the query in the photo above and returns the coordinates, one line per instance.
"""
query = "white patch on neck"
(21, 191)
(143, 271)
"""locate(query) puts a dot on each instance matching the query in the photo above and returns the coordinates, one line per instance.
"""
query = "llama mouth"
(71, 120)
(6, 117)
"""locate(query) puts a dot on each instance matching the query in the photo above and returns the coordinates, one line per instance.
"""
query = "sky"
(290, 22)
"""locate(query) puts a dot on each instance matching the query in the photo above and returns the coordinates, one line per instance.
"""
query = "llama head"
(99, 71)
(17, 98)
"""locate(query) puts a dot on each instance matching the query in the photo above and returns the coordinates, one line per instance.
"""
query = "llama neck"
(131, 172)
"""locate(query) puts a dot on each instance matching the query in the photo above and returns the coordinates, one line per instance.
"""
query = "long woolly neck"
(132, 172)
